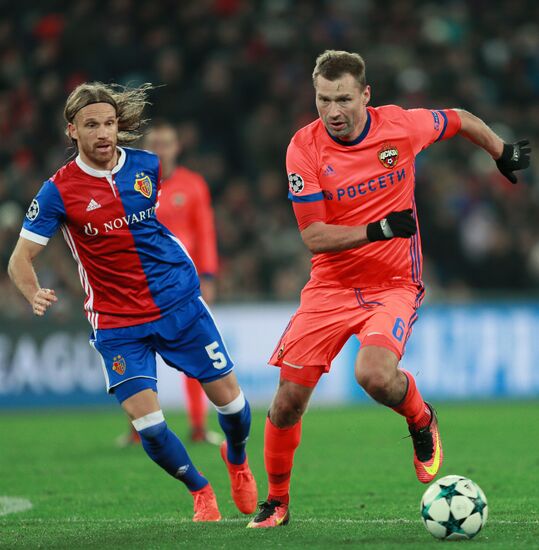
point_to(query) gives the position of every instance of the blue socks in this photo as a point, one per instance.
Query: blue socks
(235, 420)
(164, 448)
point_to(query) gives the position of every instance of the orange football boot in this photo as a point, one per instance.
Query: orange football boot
(271, 513)
(428, 452)
(205, 505)
(242, 484)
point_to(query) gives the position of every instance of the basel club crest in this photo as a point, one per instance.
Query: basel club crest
(295, 181)
(118, 364)
(388, 155)
(143, 184)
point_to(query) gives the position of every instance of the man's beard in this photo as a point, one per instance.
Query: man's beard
(100, 157)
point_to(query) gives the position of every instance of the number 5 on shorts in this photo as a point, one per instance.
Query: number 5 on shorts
(219, 360)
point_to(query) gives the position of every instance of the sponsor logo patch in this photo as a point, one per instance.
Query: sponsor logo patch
(120, 223)
(119, 365)
(388, 155)
(90, 230)
(295, 182)
(33, 210)
(143, 184)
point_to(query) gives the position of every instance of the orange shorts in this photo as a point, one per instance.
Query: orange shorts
(329, 314)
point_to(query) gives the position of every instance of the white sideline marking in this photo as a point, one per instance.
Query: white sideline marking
(245, 520)
(12, 505)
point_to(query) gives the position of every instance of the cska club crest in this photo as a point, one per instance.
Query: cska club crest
(388, 155)
(143, 184)
(118, 364)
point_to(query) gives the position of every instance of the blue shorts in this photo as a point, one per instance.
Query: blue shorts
(187, 339)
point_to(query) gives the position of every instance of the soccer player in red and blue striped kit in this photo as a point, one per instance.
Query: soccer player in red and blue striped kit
(142, 289)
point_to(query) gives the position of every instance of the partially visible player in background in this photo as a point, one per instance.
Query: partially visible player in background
(351, 177)
(184, 207)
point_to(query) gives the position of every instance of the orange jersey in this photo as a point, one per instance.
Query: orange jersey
(184, 207)
(361, 181)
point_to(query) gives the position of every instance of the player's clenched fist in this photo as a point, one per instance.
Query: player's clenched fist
(396, 224)
(43, 299)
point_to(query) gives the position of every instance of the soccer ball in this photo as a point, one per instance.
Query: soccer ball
(453, 508)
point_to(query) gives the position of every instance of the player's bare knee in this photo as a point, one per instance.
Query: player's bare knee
(379, 386)
(376, 370)
(285, 416)
(285, 412)
(377, 379)
(288, 405)
(361, 375)
(140, 404)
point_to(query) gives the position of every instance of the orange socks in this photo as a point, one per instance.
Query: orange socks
(196, 404)
(279, 447)
(413, 407)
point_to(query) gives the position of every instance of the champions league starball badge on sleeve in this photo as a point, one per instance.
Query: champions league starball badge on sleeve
(295, 181)
(33, 210)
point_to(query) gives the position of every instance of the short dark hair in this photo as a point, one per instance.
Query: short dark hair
(333, 64)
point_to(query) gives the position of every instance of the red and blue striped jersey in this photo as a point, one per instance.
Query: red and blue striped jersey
(132, 268)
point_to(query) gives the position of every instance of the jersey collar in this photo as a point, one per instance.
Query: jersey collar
(102, 173)
(359, 138)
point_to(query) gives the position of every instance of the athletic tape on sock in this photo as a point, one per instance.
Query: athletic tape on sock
(235, 406)
(148, 420)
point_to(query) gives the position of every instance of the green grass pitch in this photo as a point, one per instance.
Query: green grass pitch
(353, 483)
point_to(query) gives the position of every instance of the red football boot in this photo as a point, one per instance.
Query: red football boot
(242, 484)
(271, 513)
(428, 453)
(205, 505)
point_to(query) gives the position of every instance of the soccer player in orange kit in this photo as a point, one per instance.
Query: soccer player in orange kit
(351, 182)
(185, 208)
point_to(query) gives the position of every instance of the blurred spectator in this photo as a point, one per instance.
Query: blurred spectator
(235, 81)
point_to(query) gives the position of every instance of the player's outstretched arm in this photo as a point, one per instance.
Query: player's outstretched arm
(21, 272)
(322, 237)
(508, 156)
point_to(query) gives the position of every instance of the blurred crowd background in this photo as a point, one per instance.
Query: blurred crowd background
(236, 79)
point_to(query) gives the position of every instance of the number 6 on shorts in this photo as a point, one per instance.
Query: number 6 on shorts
(219, 360)
(398, 329)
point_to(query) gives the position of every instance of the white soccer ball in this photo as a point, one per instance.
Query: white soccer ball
(453, 508)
